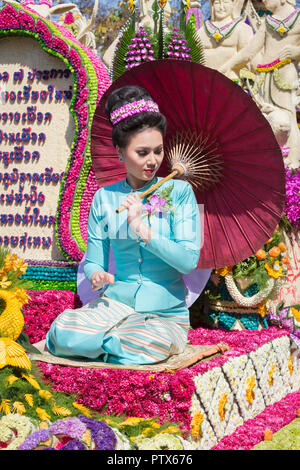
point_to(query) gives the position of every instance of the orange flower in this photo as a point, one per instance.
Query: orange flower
(261, 254)
(282, 246)
(274, 252)
(223, 271)
(286, 260)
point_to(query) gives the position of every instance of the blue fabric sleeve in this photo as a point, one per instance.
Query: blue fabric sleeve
(97, 252)
(182, 253)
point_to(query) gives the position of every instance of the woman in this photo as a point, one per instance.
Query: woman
(142, 317)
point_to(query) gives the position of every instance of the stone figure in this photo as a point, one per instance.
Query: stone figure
(224, 35)
(277, 81)
(146, 19)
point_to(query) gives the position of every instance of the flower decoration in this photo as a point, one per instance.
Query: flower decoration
(131, 5)
(274, 271)
(162, 442)
(177, 48)
(69, 18)
(217, 36)
(282, 30)
(288, 318)
(58, 40)
(155, 204)
(14, 428)
(139, 50)
(159, 201)
(292, 203)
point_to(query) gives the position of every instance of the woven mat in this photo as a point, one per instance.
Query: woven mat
(191, 355)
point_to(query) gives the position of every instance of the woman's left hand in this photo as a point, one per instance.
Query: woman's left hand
(134, 206)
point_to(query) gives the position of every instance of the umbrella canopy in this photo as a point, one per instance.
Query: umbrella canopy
(243, 192)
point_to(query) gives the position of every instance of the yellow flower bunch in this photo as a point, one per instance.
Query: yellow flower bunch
(222, 406)
(196, 425)
(250, 385)
(223, 271)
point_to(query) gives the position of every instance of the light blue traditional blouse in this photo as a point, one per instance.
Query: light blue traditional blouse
(149, 276)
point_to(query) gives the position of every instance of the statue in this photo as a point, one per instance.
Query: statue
(224, 35)
(146, 19)
(277, 80)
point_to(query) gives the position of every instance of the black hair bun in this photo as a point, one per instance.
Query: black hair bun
(124, 129)
(124, 95)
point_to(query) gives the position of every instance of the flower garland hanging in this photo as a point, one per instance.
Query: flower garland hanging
(90, 81)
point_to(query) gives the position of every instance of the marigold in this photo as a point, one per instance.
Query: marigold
(275, 271)
(295, 313)
(222, 406)
(250, 385)
(196, 424)
(223, 271)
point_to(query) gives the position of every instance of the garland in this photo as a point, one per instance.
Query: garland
(240, 299)
(219, 34)
(282, 26)
(90, 81)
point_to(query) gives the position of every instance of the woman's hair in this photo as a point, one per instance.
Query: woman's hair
(123, 131)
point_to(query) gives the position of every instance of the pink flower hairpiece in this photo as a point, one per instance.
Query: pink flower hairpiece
(130, 109)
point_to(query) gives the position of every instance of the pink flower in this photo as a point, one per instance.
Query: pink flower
(69, 18)
(155, 204)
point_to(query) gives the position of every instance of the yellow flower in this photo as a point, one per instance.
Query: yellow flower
(18, 407)
(196, 425)
(87, 438)
(250, 385)
(5, 406)
(217, 36)
(222, 406)
(275, 271)
(170, 430)
(28, 398)
(21, 296)
(42, 414)
(85, 411)
(131, 5)
(290, 365)
(262, 309)
(4, 282)
(45, 394)
(31, 380)
(295, 313)
(223, 271)
(270, 374)
(61, 411)
(11, 379)
(148, 432)
(281, 30)
(132, 421)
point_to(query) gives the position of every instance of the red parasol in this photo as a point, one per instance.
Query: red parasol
(245, 194)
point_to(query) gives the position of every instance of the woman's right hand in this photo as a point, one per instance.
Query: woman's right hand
(100, 278)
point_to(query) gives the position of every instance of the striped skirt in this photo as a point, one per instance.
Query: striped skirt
(109, 331)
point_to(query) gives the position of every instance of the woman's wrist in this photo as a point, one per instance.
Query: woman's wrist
(142, 230)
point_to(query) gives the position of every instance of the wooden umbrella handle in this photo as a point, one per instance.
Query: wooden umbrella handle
(175, 172)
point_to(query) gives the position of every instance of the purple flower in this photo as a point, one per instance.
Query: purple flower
(32, 441)
(102, 434)
(73, 445)
(155, 204)
(72, 427)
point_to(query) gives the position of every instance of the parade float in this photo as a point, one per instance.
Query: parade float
(246, 376)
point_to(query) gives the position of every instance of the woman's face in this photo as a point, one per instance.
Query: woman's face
(143, 156)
